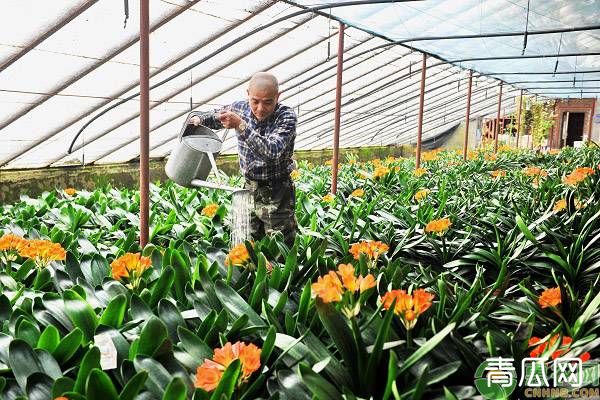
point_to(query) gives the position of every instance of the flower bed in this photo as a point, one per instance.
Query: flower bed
(398, 286)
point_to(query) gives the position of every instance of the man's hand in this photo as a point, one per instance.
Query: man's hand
(229, 119)
(195, 120)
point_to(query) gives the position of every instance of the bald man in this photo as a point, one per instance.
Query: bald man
(266, 131)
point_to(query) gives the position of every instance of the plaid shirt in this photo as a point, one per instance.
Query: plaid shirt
(266, 147)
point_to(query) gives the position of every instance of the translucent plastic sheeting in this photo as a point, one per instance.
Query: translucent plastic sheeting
(92, 62)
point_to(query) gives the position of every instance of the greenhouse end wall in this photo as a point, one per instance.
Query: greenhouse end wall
(14, 183)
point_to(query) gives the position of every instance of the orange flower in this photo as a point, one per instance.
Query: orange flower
(295, 174)
(578, 175)
(12, 243)
(366, 283)
(421, 194)
(130, 266)
(376, 162)
(541, 348)
(491, 157)
(498, 173)
(70, 191)
(357, 193)
(560, 205)
(328, 198)
(439, 226)
(371, 248)
(210, 372)
(554, 151)
(346, 272)
(42, 252)
(550, 298)
(429, 156)
(328, 288)
(352, 161)
(210, 210)
(380, 171)
(238, 256)
(420, 172)
(62, 398)
(535, 172)
(408, 307)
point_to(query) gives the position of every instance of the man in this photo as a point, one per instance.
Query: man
(266, 131)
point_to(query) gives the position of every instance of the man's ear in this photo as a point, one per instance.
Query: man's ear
(277, 97)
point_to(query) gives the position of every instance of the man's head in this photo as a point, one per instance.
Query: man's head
(263, 94)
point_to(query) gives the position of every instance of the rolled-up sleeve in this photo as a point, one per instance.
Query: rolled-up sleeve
(272, 145)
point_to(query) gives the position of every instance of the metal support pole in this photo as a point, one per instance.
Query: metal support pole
(592, 119)
(468, 116)
(421, 104)
(497, 130)
(519, 116)
(144, 119)
(338, 106)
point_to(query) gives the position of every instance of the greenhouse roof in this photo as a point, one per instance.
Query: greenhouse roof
(61, 63)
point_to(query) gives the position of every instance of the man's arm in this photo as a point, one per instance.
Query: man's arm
(207, 119)
(273, 145)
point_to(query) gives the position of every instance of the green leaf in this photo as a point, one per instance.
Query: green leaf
(28, 331)
(338, 329)
(162, 286)
(427, 347)
(176, 390)
(228, 381)
(373, 366)
(391, 375)
(62, 385)
(525, 230)
(152, 336)
(171, 317)
(68, 346)
(49, 339)
(236, 305)
(158, 376)
(590, 311)
(319, 386)
(39, 386)
(133, 386)
(114, 313)
(100, 387)
(90, 361)
(80, 313)
(23, 361)
(193, 345)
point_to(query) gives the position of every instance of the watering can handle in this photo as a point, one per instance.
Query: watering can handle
(186, 124)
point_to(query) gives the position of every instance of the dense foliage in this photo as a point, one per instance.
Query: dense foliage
(399, 286)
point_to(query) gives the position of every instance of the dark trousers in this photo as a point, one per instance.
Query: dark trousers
(274, 208)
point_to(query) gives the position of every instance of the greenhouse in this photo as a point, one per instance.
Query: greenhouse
(290, 199)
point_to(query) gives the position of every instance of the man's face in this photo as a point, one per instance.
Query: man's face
(262, 101)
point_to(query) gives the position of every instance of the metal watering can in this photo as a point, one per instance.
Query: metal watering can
(190, 163)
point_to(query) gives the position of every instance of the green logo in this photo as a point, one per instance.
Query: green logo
(496, 378)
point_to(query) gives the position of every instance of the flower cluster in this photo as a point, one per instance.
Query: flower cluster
(380, 171)
(331, 288)
(560, 205)
(70, 191)
(421, 194)
(408, 307)
(438, 226)
(328, 198)
(10, 246)
(42, 252)
(498, 173)
(295, 174)
(430, 155)
(208, 375)
(578, 175)
(420, 172)
(535, 172)
(130, 266)
(357, 193)
(550, 298)
(542, 347)
(372, 249)
(210, 210)
(238, 256)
